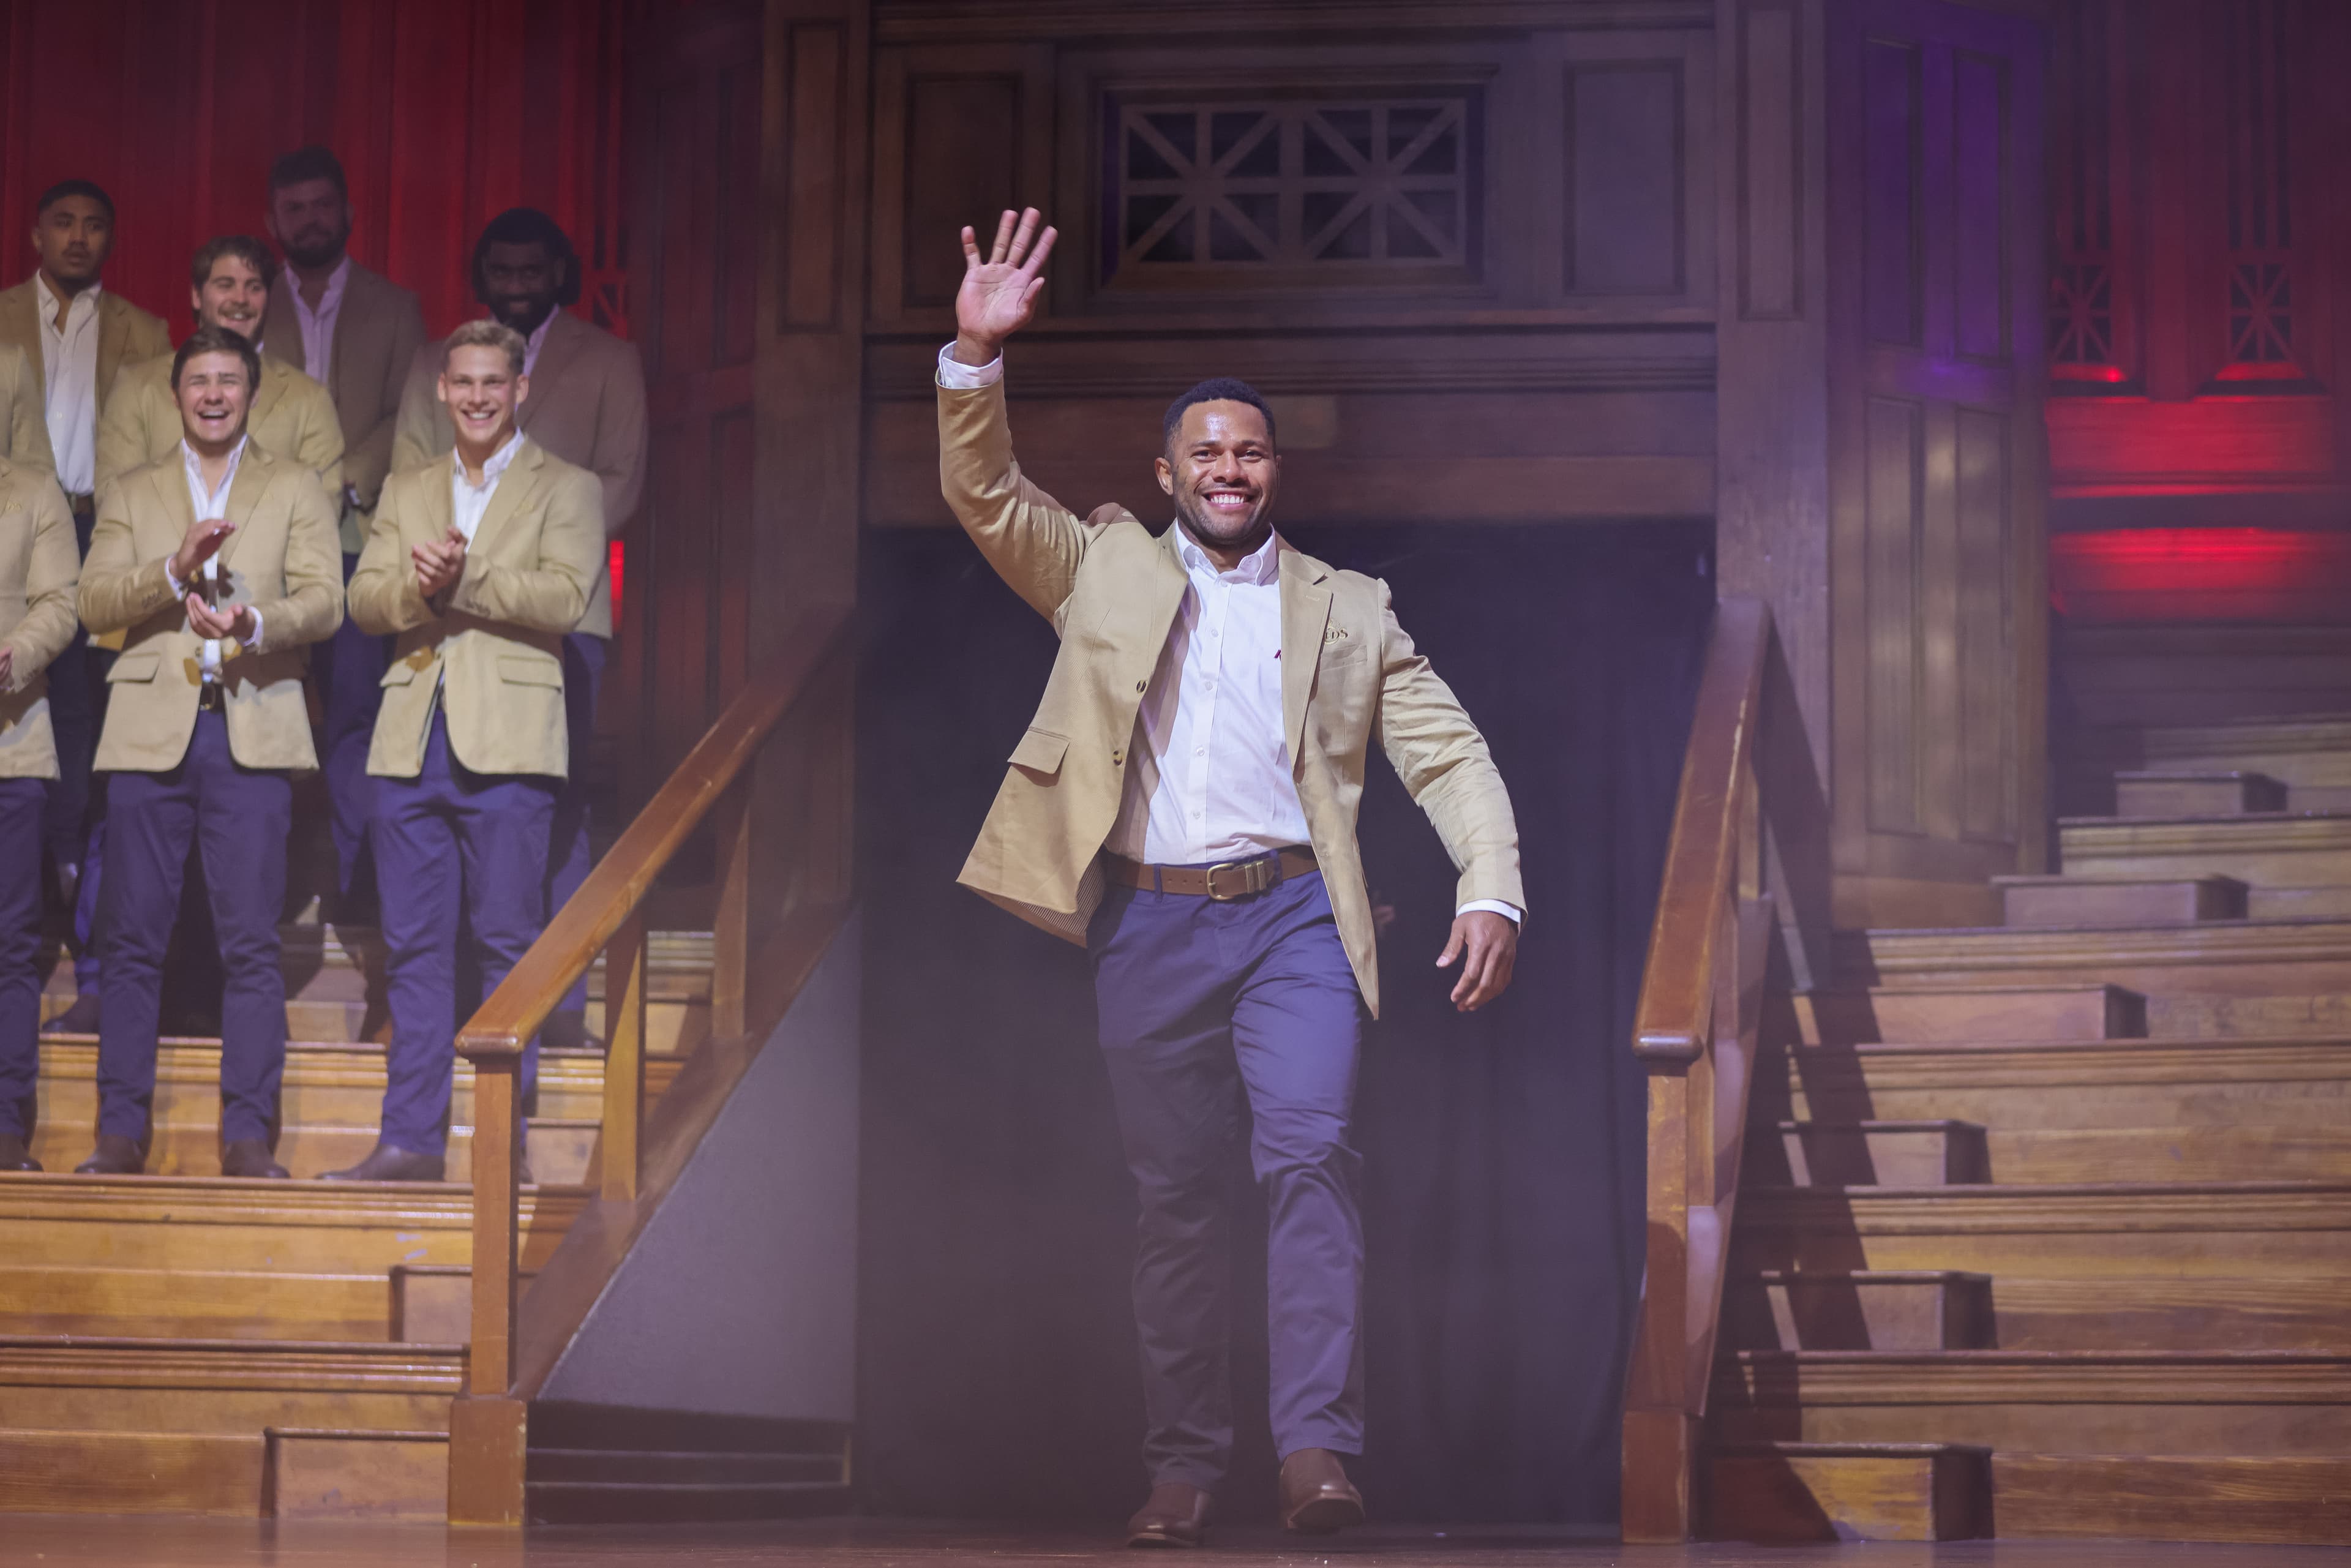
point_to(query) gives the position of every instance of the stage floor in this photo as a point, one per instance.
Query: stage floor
(85, 1541)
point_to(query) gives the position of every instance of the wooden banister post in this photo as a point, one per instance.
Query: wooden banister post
(487, 1426)
(624, 1058)
(730, 926)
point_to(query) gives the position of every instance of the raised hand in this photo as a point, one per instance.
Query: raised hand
(203, 540)
(999, 293)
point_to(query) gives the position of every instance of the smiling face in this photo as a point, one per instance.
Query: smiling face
(233, 296)
(71, 236)
(1221, 472)
(520, 283)
(214, 392)
(311, 221)
(482, 388)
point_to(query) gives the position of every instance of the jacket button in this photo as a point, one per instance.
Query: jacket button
(1118, 757)
(1140, 685)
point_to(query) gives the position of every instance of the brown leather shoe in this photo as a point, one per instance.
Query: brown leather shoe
(1316, 1497)
(115, 1156)
(14, 1156)
(1175, 1515)
(251, 1157)
(390, 1162)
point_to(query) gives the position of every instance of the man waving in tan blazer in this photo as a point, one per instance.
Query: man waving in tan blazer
(38, 565)
(1184, 803)
(480, 563)
(218, 563)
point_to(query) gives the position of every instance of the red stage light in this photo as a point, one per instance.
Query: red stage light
(614, 561)
(2274, 575)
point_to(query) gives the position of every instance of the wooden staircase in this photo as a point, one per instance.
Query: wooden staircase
(2046, 1229)
(179, 1342)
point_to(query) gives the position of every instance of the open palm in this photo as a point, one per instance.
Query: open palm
(999, 290)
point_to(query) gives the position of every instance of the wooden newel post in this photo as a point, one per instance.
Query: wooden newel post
(487, 1426)
(624, 1058)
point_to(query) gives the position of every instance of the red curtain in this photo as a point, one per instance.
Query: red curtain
(442, 111)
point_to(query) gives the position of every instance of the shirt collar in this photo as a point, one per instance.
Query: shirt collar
(328, 296)
(194, 465)
(498, 463)
(49, 296)
(1261, 566)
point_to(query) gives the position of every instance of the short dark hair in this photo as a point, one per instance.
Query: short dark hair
(1215, 389)
(245, 247)
(217, 340)
(64, 188)
(528, 226)
(305, 164)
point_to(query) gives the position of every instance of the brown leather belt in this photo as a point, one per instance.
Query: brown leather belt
(1222, 883)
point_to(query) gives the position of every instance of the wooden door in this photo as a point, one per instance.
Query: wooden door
(1936, 457)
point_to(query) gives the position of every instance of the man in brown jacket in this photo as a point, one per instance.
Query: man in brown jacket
(39, 566)
(219, 564)
(478, 564)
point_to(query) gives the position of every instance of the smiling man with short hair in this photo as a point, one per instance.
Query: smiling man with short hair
(1184, 804)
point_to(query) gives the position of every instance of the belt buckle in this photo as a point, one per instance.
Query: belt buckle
(1231, 866)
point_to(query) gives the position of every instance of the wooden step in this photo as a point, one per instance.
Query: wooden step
(2272, 850)
(2276, 1499)
(2163, 1314)
(1921, 1013)
(2253, 960)
(2295, 1090)
(329, 1106)
(353, 1473)
(107, 1387)
(2069, 901)
(2323, 903)
(2207, 1403)
(2123, 1231)
(2185, 794)
(61, 1471)
(1776, 1492)
(2297, 753)
(1867, 1153)
(1930, 1310)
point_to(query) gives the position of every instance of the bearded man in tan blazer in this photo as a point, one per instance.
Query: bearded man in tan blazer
(587, 407)
(218, 563)
(1184, 804)
(479, 563)
(39, 566)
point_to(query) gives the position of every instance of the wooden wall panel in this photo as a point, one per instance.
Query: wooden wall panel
(1627, 179)
(1892, 620)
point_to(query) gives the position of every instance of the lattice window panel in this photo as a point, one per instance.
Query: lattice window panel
(2082, 316)
(1310, 189)
(2259, 38)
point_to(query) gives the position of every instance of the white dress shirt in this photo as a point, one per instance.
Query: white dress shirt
(467, 500)
(318, 326)
(210, 504)
(69, 384)
(1213, 779)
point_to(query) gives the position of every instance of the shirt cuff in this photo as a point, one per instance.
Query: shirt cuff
(1510, 913)
(255, 641)
(179, 589)
(957, 376)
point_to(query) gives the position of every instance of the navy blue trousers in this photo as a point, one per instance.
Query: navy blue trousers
(23, 804)
(568, 858)
(1204, 1006)
(238, 819)
(349, 666)
(447, 841)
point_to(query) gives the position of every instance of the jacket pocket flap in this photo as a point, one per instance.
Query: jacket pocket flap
(531, 673)
(139, 666)
(1040, 751)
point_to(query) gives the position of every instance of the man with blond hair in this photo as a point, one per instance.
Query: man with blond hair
(478, 564)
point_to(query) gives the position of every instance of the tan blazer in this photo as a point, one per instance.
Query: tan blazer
(23, 418)
(38, 565)
(587, 407)
(1350, 676)
(491, 646)
(283, 560)
(377, 334)
(126, 335)
(291, 417)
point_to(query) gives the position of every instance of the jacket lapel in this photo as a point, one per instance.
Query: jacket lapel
(515, 487)
(179, 513)
(556, 352)
(20, 324)
(245, 493)
(440, 512)
(281, 331)
(1305, 610)
(275, 379)
(110, 343)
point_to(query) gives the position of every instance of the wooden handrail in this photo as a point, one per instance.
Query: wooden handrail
(1694, 1031)
(488, 1425)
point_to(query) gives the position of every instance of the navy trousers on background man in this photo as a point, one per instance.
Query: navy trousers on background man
(23, 802)
(1201, 1002)
(349, 666)
(451, 841)
(238, 818)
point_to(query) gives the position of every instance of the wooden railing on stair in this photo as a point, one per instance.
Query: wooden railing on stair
(773, 769)
(1701, 998)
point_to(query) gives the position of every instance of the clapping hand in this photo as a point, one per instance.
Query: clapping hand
(999, 295)
(439, 562)
(234, 625)
(201, 542)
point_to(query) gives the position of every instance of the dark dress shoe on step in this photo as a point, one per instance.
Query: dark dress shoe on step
(390, 1162)
(1316, 1496)
(251, 1157)
(81, 1018)
(14, 1156)
(1175, 1515)
(113, 1157)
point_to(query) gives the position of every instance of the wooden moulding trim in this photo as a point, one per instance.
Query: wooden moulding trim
(2105, 835)
(152, 1201)
(575, 1276)
(963, 21)
(1677, 983)
(350, 1435)
(585, 924)
(2116, 1210)
(68, 1363)
(2047, 1377)
(1939, 953)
